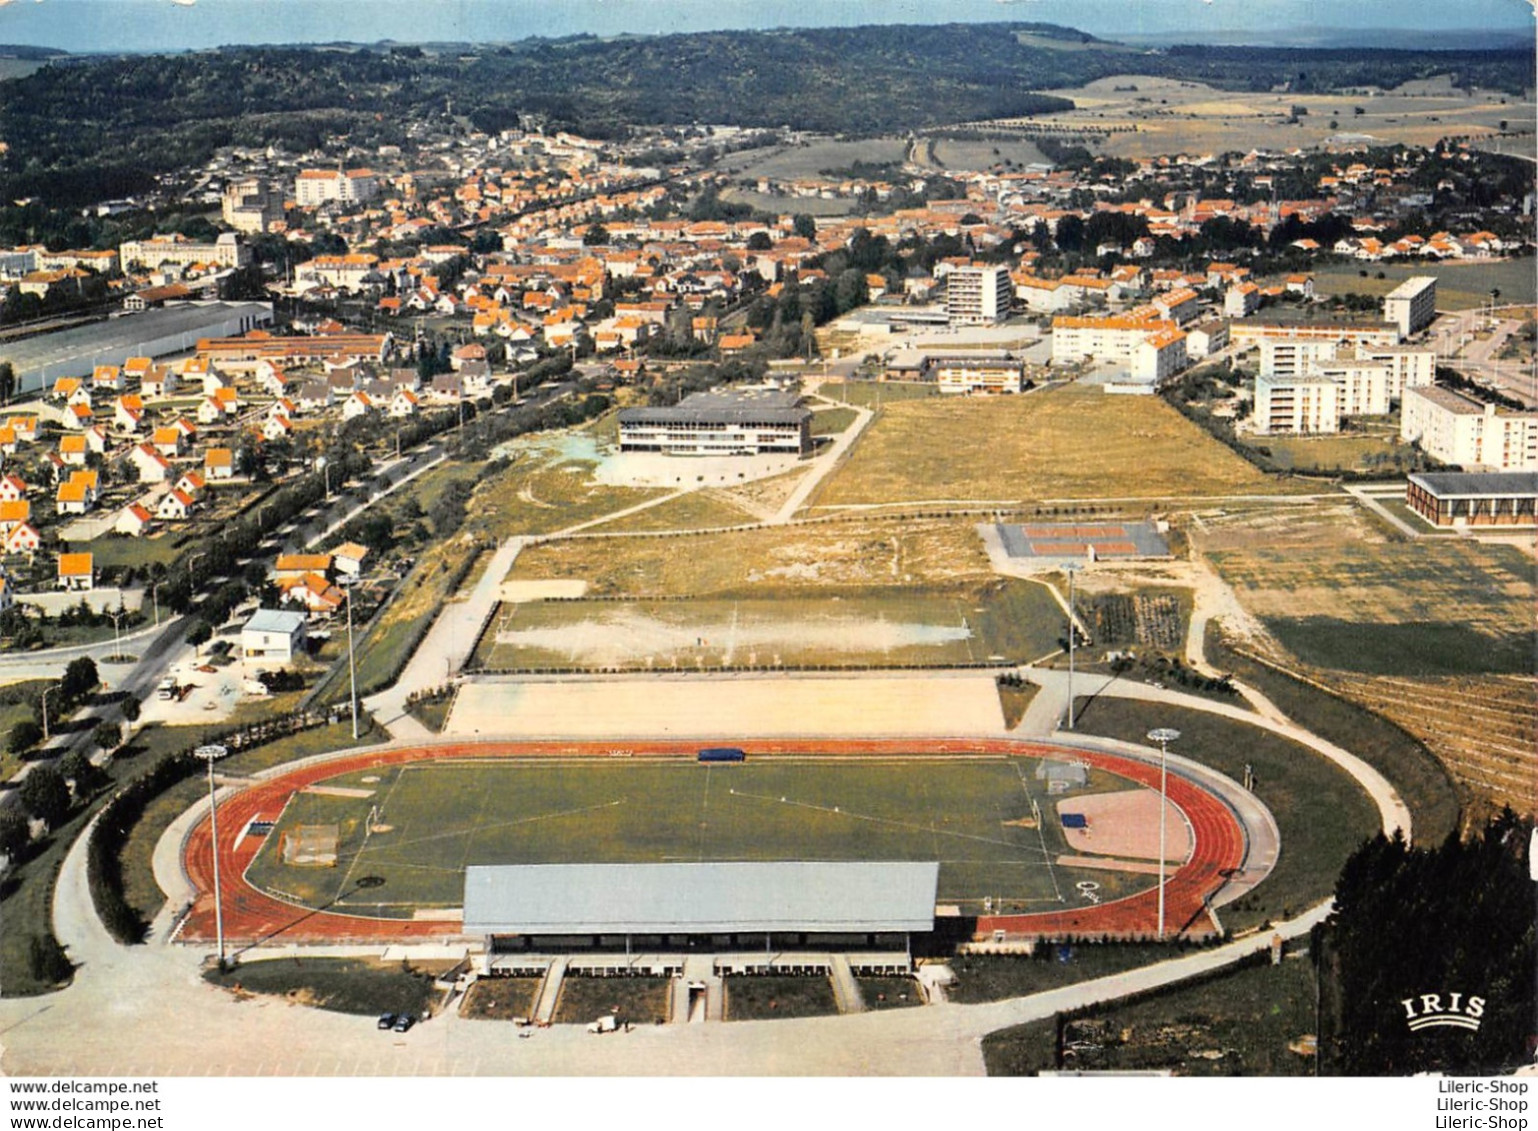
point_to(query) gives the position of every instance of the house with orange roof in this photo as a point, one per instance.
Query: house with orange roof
(76, 572)
(192, 482)
(12, 488)
(72, 390)
(14, 512)
(175, 506)
(168, 440)
(107, 378)
(78, 416)
(74, 497)
(22, 538)
(134, 520)
(315, 593)
(128, 412)
(149, 463)
(291, 567)
(219, 463)
(73, 449)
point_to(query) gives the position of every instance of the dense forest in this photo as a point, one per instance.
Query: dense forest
(1454, 918)
(82, 130)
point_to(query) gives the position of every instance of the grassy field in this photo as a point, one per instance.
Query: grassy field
(832, 421)
(1366, 451)
(1248, 1017)
(640, 1001)
(980, 155)
(1460, 286)
(342, 985)
(1005, 620)
(15, 706)
(769, 561)
(764, 997)
(808, 160)
(867, 394)
(1341, 594)
(439, 817)
(111, 552)
(1290, 779)
(696, 510)
(501, 999)
(1066, 443)
(539, 498)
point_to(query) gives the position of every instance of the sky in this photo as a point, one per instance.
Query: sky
(167, 25)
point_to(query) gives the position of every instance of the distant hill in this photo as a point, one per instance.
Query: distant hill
(22, 51)
(89, 129)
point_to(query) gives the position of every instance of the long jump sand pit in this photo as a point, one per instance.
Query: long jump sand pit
(1126, 824)
(764, 707)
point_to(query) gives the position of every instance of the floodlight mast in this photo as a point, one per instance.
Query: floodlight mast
(1163, 736)
(211, 754)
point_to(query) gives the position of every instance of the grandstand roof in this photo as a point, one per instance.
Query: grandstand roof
(1467, 485)
(703, 898)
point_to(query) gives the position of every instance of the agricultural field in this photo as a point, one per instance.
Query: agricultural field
(807, 161)
(1007, 620)
(1460, 286)
(949, 153)
(1067, 443)
(768, 561)
(1485, 731)
(430, 820)
(1152, 116)
(1339, 594)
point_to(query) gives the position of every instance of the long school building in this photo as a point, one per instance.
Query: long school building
(720, 424)
(1462, 499)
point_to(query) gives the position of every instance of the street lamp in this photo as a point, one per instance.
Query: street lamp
(212, 754)
(1163, 736)
(47, 691)
(1072, 570)
(155, 596)
(352, 666)
(117, 634)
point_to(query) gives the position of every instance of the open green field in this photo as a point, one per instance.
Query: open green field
(769, 560)
(1015, 620)
(1067, 443)
(867, 394)
(793, 162)
(1373, 449)
(435, 818)
(1460, 286)
(119, 551)
(694, 510)
(1339, 594)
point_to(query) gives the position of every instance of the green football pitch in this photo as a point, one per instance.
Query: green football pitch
(407, 833)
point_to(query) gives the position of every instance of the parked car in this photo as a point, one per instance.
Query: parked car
(403, 1022)
(387, 1020)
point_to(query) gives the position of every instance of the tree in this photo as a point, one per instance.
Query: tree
(77, 767)
(45, 795)
(760, 241)
(15, 834)
(47, 961)
(595, 236)
(80, 679)
(130, 709)
(23, 737)
(200, 634)
(804, 226)
(107, 735)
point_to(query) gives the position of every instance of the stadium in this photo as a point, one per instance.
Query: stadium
(890, 846)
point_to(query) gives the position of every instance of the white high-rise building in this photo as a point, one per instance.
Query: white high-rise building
(1412, 305)
(318, 186)
(977, 294)
(1460, 429)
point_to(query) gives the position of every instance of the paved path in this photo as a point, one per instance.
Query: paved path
(824, 466)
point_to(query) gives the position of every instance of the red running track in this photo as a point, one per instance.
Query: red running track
(252, 916)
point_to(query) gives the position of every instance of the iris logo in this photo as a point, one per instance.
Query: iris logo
(1427, 1011)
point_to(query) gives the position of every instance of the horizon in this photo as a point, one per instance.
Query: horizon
(156, 26)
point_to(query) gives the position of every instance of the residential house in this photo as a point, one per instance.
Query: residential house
(73, 449)
(349, 558)
(76, 572)
(175, 506)
(22, 538)
(149, 463)
(128, 412)
(133, 520)
(273, 635)
(12, 487)
(168, 441)
(358, 404)
(219, 463)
